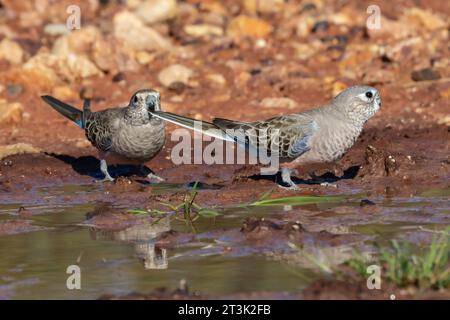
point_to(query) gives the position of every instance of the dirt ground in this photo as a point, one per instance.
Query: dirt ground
(238, 55)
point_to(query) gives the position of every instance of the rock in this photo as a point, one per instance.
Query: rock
(304, 26)
(425, 74)
(14, 90)
(152, 11)
(76, 42)
(390, 165)
(217, 79)
(177, 87)
(412, 22)
(30, 19)
(401, 50)
(304, 51)
(279, 103)
(41, 66)
(174, 73)
(64, 93)
(131, 30)
(56, 29)
(119, 77)
(263, 6)
(245, 26)
(10, 113)
(201, 30)
(391, 29)
(366, 202)
(73, 67)
(68, 58)
(320, 26)
(143, 57)
(104, 55)
(11, 51)
(423, 19)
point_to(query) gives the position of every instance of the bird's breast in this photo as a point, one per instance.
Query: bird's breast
(330, 142)
(139, 142)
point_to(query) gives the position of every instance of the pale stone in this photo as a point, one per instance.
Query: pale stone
(143, 57)
(281, 102)
(56, 29)
(64, 93)
(18, 148)
(130, 29)
(174, 73)
(246, 26)
(11, 51)
(152, 11)
(10, 112)
(216, 78)
(200, 30)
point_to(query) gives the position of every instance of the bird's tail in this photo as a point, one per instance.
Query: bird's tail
(66, 110)
(204, 127)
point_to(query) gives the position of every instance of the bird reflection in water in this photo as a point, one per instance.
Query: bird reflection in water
(143, 236)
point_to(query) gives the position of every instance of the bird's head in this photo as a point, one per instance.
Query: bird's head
(359, 103)
(147, 99)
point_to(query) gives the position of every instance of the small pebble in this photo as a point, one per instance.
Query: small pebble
(14, 90)
(120, 76)
(320, 26)
(366, 202)
(425, 74)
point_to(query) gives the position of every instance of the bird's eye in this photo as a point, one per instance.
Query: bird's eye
(369, 94)
(135, 99)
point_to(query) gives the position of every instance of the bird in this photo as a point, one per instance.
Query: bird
(320, 135)
(128, 133)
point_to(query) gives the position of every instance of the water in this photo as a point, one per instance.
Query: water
(33, 265)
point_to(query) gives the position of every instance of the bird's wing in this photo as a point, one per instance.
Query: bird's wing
(100, 127)
(289, 135)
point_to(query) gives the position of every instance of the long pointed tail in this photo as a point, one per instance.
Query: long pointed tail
(66, 110)
(196, 125)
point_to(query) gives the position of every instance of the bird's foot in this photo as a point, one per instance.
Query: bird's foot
(107, 178)
(153, 178)
(292, 186)
(287, 180)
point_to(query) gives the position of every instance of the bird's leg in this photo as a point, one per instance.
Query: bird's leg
(104, 169)
(153, 178)
(286, 178)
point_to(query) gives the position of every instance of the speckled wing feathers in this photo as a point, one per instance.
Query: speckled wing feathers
(288, 135)
(99, 130)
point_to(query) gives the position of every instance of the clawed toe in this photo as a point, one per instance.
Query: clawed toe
(289, 187)
(154, 178)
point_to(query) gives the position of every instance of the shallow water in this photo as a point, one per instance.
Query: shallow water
(33, 265)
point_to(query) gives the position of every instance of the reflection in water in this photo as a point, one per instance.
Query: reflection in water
(313, 257)
(154, 258)
(143, 236)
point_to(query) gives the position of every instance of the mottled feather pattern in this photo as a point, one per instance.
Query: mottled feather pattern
(114, 131)
(99, 129)
(288, 135)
